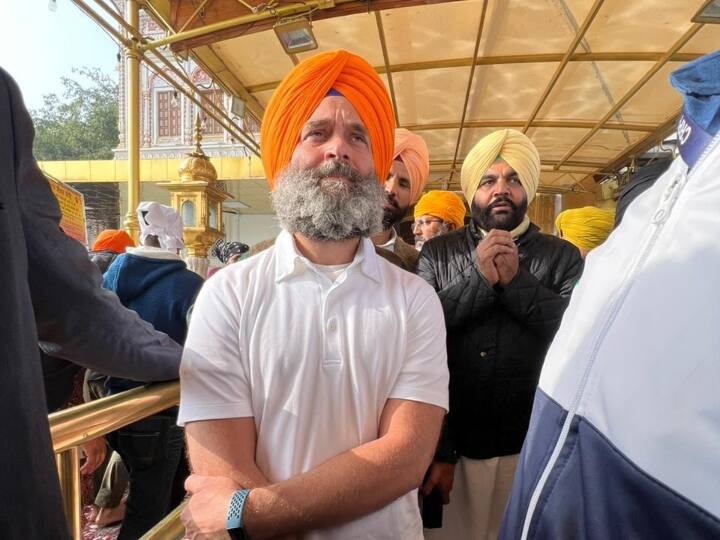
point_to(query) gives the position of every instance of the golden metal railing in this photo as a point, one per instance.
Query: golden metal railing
(170, 528)
(75, 426)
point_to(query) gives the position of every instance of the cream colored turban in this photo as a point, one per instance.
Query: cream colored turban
(512, 147)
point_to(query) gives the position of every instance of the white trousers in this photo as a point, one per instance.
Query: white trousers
(477, 501)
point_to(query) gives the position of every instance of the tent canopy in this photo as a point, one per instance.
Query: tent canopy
(587, 81)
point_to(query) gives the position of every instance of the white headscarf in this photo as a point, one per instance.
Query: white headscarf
(162, 221)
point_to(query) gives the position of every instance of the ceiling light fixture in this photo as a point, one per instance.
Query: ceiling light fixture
(708, 13)
(295, 35)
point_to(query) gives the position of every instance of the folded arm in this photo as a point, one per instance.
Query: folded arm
(346, 487)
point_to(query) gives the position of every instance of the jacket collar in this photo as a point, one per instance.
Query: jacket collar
(153, 253)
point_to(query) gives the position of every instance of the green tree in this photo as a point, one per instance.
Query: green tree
(82, 122)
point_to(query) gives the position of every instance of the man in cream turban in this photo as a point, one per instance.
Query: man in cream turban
(437, 212)
(408, 174)
(504, 287)
(300, 420)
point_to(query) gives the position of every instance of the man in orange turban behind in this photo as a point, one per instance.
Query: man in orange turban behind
(437, 212)
(408, 174)
(108, 245)
(299, 420)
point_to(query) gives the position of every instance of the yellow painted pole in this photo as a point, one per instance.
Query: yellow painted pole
(132, 66)
(68, 468)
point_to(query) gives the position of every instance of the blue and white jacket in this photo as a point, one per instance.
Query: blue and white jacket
(624, 438)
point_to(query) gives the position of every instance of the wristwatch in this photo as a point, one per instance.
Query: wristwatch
(233, 522)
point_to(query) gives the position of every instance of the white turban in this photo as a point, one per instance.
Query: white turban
(162, 221)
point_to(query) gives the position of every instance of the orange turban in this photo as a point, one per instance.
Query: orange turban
(444, 205)
(302, 90)
(112, 240)
(413, 152)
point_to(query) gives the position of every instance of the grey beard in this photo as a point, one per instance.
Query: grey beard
(442, 229)
(307, 202)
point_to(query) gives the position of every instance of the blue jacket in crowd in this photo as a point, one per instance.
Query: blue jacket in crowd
(159, 288)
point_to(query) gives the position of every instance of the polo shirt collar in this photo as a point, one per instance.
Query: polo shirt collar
(290, 262)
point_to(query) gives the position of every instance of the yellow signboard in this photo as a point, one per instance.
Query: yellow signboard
(72, 206)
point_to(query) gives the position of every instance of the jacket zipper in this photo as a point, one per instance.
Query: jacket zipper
(660, 216)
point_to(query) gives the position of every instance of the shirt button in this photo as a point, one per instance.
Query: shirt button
(332, 326)
(483, 354)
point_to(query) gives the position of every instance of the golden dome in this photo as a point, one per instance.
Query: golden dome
(197, 166)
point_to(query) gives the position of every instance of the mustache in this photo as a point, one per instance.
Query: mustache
(336, 168)
(500, 200)
(392, 201)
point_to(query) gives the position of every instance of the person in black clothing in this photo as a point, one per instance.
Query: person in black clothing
(504, 287)
(50, 294)
(642, 180)
(153, 280)
(107, 246)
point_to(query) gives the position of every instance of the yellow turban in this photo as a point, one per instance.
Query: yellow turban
(512, 147)
(302, 90)
(442, 204)
(586, 228)
(413, 152)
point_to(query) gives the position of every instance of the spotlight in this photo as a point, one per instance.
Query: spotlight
(295, 35)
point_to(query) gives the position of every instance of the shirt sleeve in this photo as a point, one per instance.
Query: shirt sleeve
(76, 319)
(213, 379)
(424, 374)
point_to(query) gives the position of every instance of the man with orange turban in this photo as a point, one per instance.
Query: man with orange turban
(108, 245)
(299, 420)
(437, 212)
(408, 174)
(504, 287)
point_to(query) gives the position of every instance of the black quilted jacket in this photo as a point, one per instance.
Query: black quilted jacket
(496, 339)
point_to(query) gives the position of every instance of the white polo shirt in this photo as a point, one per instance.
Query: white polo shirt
(314, 361)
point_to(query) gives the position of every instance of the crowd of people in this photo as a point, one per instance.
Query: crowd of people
(340, 381)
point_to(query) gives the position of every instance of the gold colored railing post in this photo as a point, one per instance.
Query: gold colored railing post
(132, 65)
(72, 427)
(68, 467)
(170, 528)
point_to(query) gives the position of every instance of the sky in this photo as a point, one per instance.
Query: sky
(38, 46)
